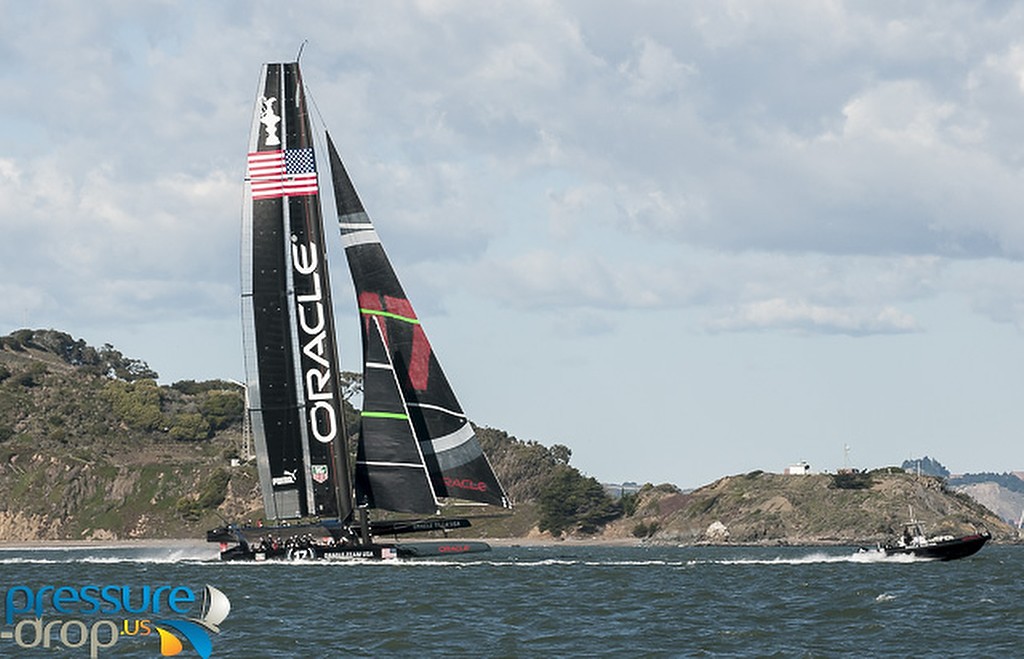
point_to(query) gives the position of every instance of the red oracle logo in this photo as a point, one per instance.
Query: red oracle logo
(465, 484)
(453, 549)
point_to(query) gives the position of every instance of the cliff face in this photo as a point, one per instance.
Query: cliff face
(85, 454)
(1006, 503)
(813, 509)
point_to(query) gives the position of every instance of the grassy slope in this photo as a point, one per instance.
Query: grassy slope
(772, 509)
(75, 463)
(72, 467)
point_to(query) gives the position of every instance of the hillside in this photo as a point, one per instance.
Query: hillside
(760, 508)
(92, 448)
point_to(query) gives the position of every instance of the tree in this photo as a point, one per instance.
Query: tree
(853, 480)
(137, 404)
(222, 408)
(351, 385)
(106, 361)
(189, 427)
(572, 500)
(561, 454)
(926, 466)
(523, 467)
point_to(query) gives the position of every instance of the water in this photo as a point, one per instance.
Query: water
(570, 601)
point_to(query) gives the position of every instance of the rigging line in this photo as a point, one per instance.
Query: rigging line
(301, 46)
(319, 119)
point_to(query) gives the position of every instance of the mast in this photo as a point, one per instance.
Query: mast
(293, 378)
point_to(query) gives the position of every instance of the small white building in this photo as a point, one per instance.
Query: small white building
(799, 469)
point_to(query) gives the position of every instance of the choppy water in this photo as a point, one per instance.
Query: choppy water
(570, 601)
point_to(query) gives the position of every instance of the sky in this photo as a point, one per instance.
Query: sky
(684, 239)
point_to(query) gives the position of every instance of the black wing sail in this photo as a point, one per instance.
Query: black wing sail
(444, 437)
(391, 473)
(289, 342)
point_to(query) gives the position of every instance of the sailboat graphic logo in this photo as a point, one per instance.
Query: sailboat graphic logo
(216, 608)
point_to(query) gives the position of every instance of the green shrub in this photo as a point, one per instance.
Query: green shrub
(629, 502)
(642, 530)
(210, 496)
(222, 408)
(137, 404)
(854, 480)
(215, 489)
(188, 510)
(31, 377)
(189, 427)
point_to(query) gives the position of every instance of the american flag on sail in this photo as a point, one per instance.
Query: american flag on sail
(274, 174)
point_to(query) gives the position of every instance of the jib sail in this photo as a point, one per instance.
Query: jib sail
(416, 445)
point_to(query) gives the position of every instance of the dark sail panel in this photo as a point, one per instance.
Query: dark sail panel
(390, 471)
(291, 359)
(443, 435)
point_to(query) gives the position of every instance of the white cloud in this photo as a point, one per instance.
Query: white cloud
(655, 73)
(787, 167)
(901, 113)
(779, 313)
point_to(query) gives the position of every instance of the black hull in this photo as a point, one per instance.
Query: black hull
(329, 540)
(943, 550)
(372, 552)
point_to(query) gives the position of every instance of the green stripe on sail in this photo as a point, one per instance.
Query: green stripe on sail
(388, 314)
(385, 415)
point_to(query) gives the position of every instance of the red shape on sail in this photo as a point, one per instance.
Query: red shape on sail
(419, 360)
(371, 301)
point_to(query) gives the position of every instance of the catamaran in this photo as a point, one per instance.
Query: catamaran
(416, 448)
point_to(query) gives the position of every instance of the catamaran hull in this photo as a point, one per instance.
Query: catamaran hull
(943, 550)
(374, 552)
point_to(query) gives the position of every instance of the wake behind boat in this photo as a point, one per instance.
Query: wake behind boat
(416, 448)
